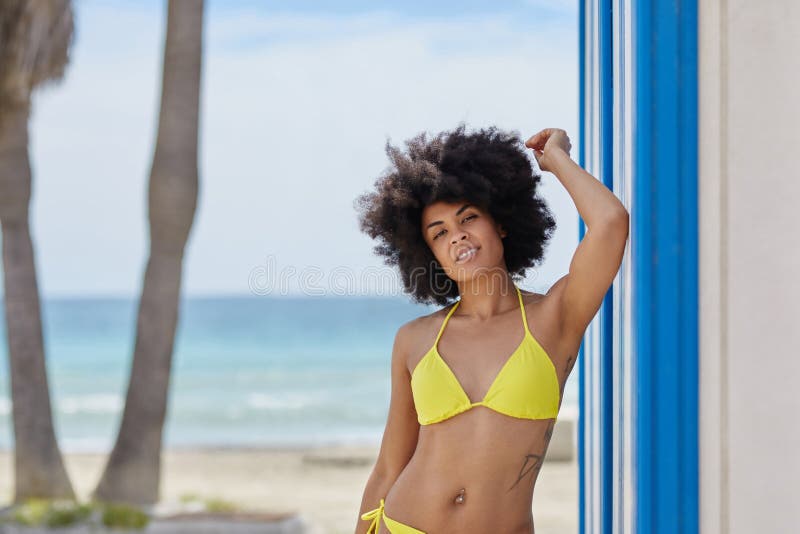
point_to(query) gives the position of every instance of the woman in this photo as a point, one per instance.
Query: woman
(472, 407)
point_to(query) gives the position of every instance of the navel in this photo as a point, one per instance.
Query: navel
(460, 496)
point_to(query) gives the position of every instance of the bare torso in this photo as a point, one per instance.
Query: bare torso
(476, 472)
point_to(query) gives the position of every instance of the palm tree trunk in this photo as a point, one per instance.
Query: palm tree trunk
(39, 467)
(133, 470)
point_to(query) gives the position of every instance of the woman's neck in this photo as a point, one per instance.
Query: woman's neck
(483, 297)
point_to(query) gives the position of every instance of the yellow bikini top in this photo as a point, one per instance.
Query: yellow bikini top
(526, 386)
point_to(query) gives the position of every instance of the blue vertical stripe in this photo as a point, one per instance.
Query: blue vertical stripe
(665, 266)
(581, 231)
(606, 446)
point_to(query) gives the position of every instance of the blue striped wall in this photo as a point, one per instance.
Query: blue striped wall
(665, 266)
(657, 302)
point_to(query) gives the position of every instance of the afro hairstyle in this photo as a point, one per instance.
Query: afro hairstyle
(488, 168)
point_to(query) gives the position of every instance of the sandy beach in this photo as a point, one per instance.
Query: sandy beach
(323, 484)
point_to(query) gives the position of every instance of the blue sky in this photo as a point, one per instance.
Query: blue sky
(298, 100)
(563, 11)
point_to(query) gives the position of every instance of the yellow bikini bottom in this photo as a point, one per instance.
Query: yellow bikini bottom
(395, 527)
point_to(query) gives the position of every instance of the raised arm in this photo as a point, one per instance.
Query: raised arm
(599, 254)
(400, 435)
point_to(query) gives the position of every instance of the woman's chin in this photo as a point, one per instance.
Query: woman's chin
(473, 271)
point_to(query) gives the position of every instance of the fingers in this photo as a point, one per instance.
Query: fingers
(538, 140)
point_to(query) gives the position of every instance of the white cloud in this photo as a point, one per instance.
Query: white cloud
(555, 6)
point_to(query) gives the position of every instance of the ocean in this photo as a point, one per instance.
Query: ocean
(247, 371)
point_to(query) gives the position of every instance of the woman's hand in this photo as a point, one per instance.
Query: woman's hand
(545, 143)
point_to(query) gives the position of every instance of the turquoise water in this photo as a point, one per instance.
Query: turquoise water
(247, 371)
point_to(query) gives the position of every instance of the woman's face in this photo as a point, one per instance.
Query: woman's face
(463, 238)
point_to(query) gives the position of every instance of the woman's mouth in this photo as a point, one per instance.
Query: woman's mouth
(466, 255)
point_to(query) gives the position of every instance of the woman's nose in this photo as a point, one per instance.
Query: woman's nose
(459, 236)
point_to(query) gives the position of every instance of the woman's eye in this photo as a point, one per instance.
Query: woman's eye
(462, 220)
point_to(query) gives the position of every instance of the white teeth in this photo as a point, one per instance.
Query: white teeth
(467, 253)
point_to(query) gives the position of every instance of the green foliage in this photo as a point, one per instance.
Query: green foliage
(32, 512)
(51, 513)
(220, 506)
(124, 516)
(189, 497)
(213, 504)
(59, 513)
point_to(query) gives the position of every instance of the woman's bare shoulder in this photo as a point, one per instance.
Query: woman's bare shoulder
(541, 312)
(420, 325)
(418, 334)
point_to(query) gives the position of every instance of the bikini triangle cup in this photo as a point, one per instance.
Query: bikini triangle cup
(526, 386)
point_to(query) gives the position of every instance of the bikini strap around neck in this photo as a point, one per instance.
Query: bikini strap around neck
(441, 329)
(522, 309)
